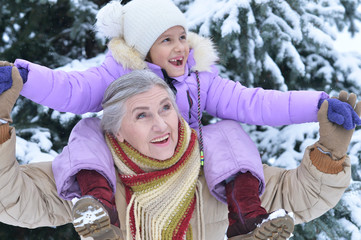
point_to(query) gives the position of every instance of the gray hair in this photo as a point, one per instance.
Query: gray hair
(125, 87)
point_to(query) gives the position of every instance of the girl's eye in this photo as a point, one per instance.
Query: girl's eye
(166, 40)
(183, 37)
(141, 115)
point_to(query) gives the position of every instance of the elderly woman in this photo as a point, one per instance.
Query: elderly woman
(159, 186)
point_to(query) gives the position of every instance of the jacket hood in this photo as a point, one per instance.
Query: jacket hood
(204, 53)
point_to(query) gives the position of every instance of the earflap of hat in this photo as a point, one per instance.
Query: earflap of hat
(125, 55)
(110, 20)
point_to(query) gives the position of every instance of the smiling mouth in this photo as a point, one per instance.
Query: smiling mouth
(160, 140)
(176, 62)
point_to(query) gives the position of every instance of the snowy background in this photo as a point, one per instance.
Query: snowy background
(283, 146)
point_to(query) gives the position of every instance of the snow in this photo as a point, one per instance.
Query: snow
(30, 152)
(92, 215)
(6, 37)
(346, 43)
(278, 213)
(353, 201)
(270, 65)
(83, 64)
(197, 14)
(355, 232)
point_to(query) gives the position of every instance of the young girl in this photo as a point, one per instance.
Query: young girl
(153, 34)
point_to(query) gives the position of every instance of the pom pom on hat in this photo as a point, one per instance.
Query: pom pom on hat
(139, 22)
(110, 20)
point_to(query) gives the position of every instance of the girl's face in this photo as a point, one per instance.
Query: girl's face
(170, 51)
(150, 124)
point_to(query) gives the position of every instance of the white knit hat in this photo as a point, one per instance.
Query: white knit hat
(139, 22)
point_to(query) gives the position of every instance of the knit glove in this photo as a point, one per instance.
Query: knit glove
(5, 75)
(334, 137)
(8, 98)
(340, 112)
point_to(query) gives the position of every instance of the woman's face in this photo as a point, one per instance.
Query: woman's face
(170, 51)
(150, 124)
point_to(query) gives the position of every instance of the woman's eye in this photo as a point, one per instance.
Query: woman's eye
(141, 115)
(166, 107)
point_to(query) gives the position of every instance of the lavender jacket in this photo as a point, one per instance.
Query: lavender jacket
(81, 92)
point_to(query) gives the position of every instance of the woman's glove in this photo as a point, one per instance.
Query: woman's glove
(5, 75)
(334, 138)
(8, 98)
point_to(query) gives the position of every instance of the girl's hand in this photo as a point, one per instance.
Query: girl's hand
(341, 110)
(5, 76)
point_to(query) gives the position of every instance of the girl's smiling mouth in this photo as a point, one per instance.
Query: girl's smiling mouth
(177, 61)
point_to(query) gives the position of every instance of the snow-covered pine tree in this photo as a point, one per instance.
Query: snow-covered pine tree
(277, 44)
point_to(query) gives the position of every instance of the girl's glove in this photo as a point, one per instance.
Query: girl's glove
(5, 75)
(8, 97)
(334, 137)
(342, 113)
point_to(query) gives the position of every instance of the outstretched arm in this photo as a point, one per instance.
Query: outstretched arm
(318, 183)
(28, 195)
(76, 91)
(227, 99)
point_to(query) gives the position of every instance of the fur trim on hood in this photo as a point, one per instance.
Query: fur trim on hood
(205, 54)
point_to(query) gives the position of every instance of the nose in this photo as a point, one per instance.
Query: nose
(179, 46)
(159, 124)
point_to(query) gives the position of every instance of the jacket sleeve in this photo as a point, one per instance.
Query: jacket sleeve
(76, 91)
(227, 99)
(28, 196)
(305, 191)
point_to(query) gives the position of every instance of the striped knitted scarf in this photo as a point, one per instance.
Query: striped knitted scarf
(161, 195)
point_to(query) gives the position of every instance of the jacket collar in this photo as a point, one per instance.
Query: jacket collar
(201, 57)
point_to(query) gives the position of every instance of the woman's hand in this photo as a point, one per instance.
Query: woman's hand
(335, 138)
(8, 97)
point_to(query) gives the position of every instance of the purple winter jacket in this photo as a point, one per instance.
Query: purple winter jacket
(81, 92)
